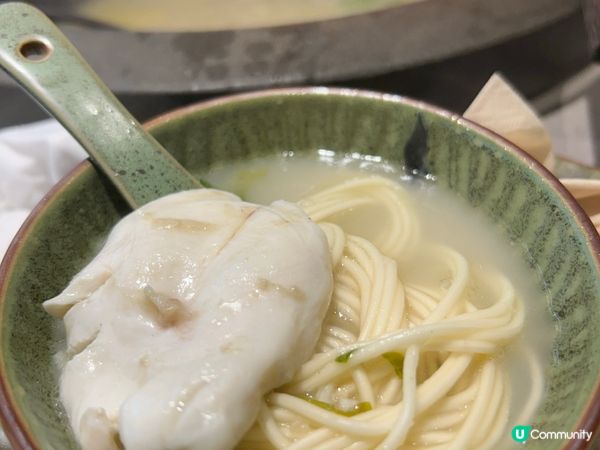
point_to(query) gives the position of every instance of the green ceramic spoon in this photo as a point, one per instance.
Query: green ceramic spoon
(43, 61)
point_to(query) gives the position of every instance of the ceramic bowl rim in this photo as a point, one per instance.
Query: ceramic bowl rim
(13, 423)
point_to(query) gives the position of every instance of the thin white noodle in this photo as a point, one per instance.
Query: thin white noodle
(450, 392)
(405, 419)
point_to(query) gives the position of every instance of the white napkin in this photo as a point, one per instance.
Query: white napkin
(499, 107)
(33, 158)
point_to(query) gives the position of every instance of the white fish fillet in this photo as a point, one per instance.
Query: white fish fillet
(197, 306)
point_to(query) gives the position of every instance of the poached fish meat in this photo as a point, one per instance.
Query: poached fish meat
(197, 305)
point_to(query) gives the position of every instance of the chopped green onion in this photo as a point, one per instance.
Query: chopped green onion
(344, 357)
(396, 360)
(357, 409)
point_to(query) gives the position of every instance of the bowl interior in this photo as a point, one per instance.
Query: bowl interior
(67, 229)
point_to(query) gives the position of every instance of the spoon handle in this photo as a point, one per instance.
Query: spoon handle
(45, 63)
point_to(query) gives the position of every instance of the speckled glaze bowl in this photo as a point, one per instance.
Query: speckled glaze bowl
(520, 196)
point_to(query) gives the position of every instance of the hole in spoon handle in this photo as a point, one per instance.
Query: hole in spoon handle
(35, 49)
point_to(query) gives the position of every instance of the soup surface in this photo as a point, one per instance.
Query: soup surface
(207, 15)
(443, 219)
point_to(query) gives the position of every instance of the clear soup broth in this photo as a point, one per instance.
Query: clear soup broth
(443, 218)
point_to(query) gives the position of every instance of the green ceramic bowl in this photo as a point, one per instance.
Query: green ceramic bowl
(515, 192)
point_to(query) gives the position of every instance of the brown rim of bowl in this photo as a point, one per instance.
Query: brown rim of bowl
(14, 425)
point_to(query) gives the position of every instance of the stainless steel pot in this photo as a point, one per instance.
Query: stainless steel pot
(315, 52)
